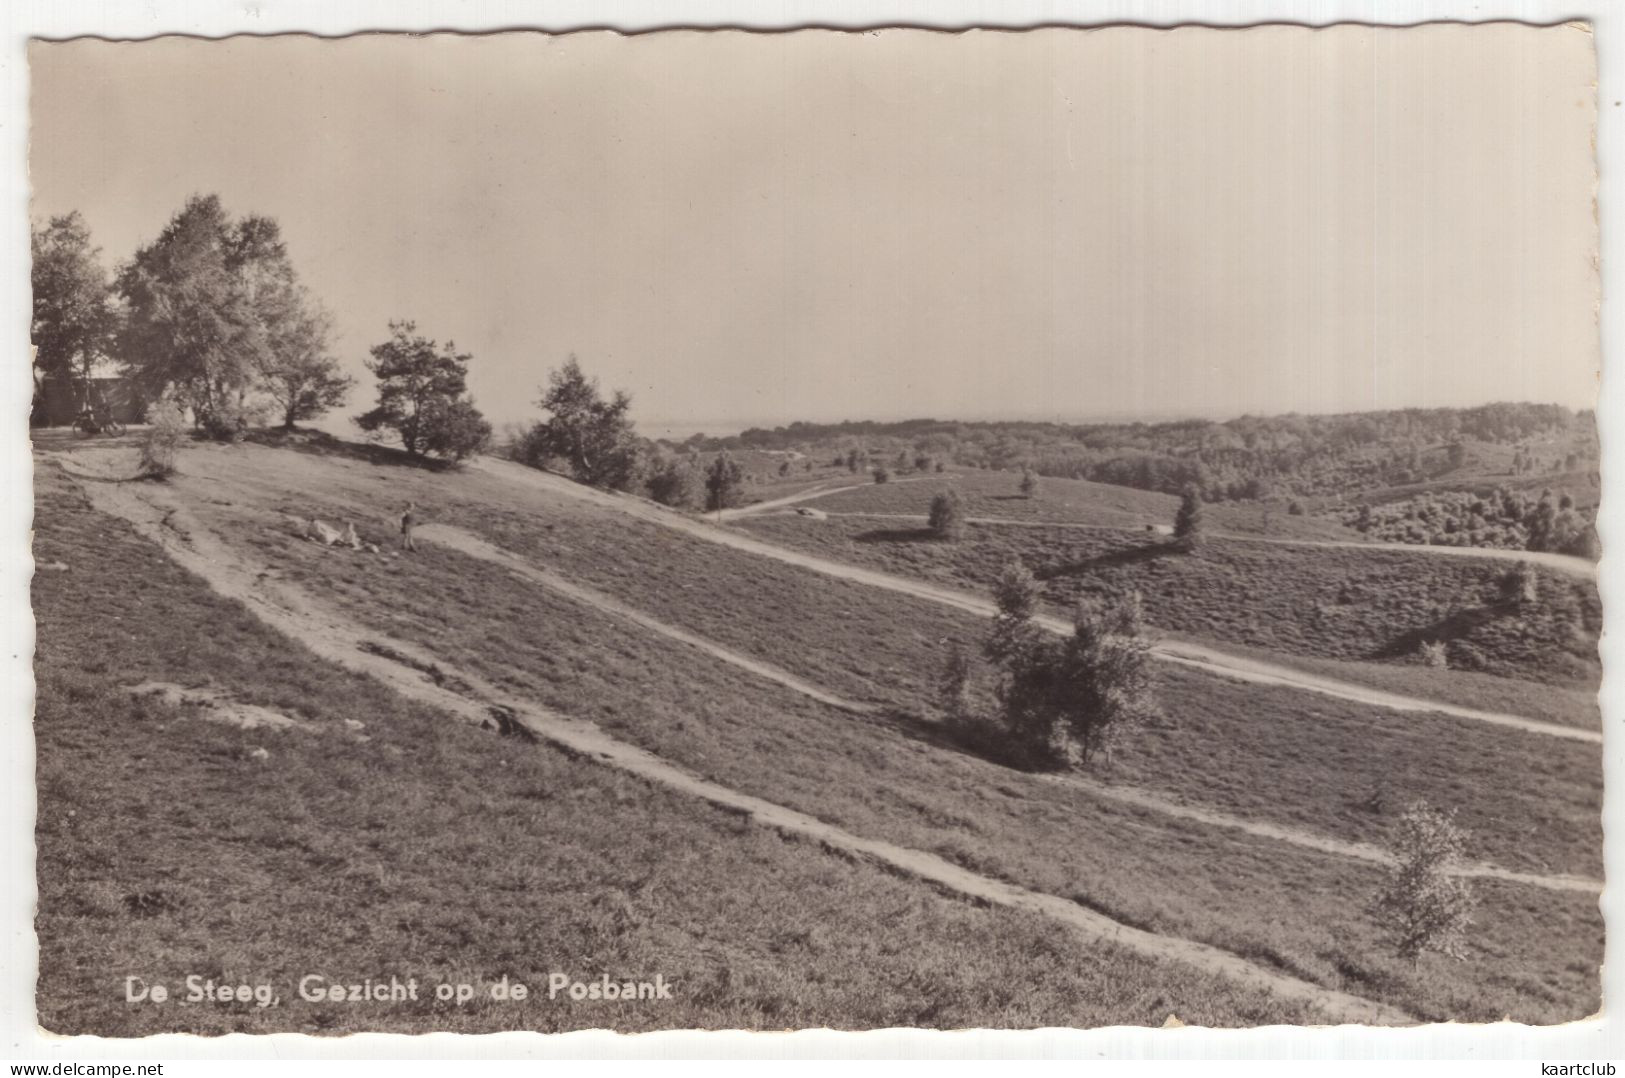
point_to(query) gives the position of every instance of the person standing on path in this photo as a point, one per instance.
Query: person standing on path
(408, 519)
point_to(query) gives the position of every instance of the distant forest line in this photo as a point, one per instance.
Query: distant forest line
(1248, 458)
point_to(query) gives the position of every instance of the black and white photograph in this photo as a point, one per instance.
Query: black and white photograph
(1068, 527)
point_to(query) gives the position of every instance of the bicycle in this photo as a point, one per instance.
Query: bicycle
(88, 423)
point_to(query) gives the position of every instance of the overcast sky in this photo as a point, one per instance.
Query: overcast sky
(748, 229)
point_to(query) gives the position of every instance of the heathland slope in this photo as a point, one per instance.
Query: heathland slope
(886, 774)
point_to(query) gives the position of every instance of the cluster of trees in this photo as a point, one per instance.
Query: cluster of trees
(1061, 701)
(211, 314)
(882, 463)
(591, 437)
(211, 317)
(75, 315)
(1512, 520)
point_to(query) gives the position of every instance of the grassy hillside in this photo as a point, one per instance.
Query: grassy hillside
(891, 775)
(1326, 603)
(862, 643)
(419, 846)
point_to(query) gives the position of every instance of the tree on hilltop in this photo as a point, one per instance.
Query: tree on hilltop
(592, 435)
(216, 316)
(194, 324)
(422, 395)
(296, 369)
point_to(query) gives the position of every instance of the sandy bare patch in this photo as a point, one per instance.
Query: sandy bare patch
(216, 705)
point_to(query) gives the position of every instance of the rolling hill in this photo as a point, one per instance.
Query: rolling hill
(576, 731)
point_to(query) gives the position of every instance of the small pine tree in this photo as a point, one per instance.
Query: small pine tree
(1188, 521)
(1519, 584)
(671, 482)
(953, 693)
(1029, 482)
(882, 474)
(1064, 702)
(948, 515)
(1015, 593)
(1422, 907)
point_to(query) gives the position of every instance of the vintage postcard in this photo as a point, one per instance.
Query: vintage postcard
(723, 530)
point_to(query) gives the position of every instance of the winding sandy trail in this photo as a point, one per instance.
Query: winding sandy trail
(158, 514)
(1567, 564)
(1198, 656)
(474, 546)
(834, 486)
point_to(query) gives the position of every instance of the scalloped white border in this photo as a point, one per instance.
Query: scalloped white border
(20, 1039)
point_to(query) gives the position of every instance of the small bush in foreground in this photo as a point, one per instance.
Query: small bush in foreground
(1422, 907)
